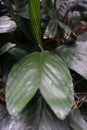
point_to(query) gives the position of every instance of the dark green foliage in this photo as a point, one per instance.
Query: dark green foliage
(38, 47)
(46, 72)
(75, 55)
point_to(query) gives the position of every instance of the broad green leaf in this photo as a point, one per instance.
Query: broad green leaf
(6, 47)
(37, 116)
(45, 71)
(56, 86)
(7, 24)
(19, 86)
(76, 121)
(34, 13)
(75, 55)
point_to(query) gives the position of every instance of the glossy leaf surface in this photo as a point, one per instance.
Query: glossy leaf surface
(75, 55)
(37, 116)
(76, 121)
(6, 47)
(7, 25)
(52, 27)
(45, 71)
(4, 117)
(17, 52)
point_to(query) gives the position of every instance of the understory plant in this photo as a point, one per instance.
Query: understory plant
(42, 60)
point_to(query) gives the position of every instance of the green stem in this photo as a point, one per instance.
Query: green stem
(41, 48)
(34, 14)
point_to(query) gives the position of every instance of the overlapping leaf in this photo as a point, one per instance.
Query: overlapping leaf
(76, 121)
(17, 52)
(6, 47)
(37, 116)
(75, 55)
(44, 71)
(52, 28)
